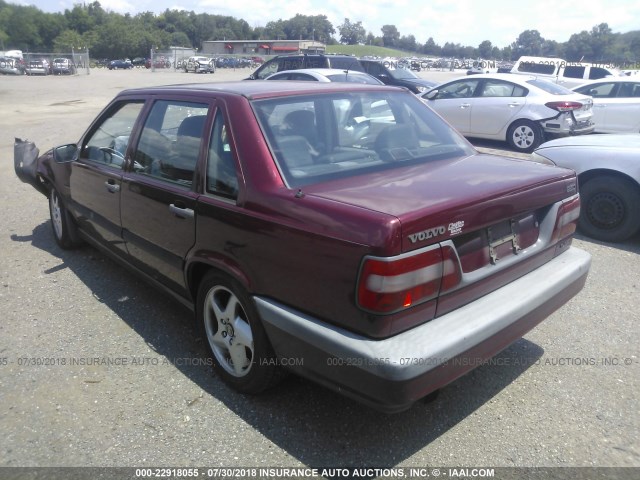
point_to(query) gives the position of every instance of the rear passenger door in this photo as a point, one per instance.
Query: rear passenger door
(619, 108)
(496, 105)
(159, 191)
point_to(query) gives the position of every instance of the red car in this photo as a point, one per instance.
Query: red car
(344, 232)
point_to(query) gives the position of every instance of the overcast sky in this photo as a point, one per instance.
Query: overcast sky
(467, 22)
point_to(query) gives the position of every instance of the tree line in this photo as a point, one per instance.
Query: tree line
(112, 35)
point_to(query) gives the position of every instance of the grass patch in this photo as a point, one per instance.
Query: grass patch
(363, 50)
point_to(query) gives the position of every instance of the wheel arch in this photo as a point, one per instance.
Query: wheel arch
(587, 175)
(201, 265)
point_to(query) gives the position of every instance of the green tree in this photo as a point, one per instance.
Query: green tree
(579, 47)
(408, 43)
(601, 39)
(431, 48)
(485, 49)
(78, 18)
(67, 40)
(390, 36)
(22, 28)
(529, 42)
(351, 33)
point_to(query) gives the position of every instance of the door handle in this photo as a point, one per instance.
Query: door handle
(180, 211)
(465, 105)
(514, 104)
(112, 186)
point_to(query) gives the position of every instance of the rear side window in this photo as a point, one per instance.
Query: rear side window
(597, 73)
(222, 178)
(312, 62)
(572, 71)
(289, 63)
(345, 63)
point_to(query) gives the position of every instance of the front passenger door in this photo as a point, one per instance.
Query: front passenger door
(454, 103)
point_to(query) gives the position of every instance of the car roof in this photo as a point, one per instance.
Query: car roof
(254, 90)
(322, 72)
(522, 80)
(625, 79)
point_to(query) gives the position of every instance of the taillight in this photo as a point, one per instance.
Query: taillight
(567, 219)
(564, 106)
(389, 285)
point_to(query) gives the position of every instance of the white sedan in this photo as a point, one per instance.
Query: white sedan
(326, 75)
(608, 168)
(519, 109)
(616, 104)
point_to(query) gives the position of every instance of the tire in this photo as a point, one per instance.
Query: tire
(524, 136)
(64, 229)
(610, 208)
(229, 323)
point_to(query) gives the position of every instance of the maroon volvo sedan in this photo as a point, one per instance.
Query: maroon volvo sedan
(344, 228)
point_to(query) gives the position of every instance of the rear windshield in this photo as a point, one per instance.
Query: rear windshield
(552, 88)
(322, 137)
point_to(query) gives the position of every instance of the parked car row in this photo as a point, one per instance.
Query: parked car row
(37, 66)
(523, 110)
(11, 66)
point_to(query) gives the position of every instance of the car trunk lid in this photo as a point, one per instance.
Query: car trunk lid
(455, 197)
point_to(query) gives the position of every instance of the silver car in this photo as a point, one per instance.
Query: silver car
(519, 109)
(608, 168)
(326, 75)
(200, 65)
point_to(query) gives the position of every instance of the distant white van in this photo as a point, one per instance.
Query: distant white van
(12, 54)
(568, 74)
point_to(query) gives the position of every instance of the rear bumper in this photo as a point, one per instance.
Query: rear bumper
(565, 124)
(393, 373)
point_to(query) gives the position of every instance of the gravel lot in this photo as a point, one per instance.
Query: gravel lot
(567, 395)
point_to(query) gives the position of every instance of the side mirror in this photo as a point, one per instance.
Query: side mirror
(431, 95)
(65, 153)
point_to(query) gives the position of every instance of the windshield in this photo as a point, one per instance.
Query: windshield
(402, 74)
(322, 137)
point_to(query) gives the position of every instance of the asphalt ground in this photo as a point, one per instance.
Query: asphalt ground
(99, 369)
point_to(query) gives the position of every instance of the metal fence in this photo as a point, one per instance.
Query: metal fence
(60, 63)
